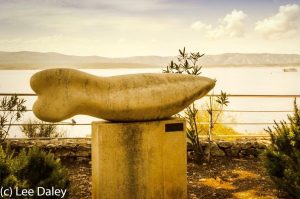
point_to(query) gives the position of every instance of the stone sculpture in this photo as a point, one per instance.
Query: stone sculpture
(63, 93)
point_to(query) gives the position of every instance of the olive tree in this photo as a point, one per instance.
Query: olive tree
(188, 63)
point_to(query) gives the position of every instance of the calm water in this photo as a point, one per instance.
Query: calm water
(244, 80)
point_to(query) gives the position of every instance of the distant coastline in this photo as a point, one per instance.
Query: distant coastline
(96, 66)
(297, 67)
(26, 60)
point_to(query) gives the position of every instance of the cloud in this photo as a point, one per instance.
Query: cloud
(283, 24)
(199, 25)
(230, 26)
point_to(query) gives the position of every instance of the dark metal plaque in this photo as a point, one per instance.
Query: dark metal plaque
(174, 127)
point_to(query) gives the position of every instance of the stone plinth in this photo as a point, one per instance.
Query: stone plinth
(139, 160)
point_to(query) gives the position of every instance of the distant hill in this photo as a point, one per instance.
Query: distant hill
(37, 60)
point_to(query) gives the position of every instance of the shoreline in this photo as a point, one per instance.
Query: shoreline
(149, 67)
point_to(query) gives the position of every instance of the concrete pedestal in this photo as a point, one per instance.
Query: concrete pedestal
(140, 160)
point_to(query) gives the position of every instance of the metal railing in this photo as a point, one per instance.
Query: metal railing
(214, 95)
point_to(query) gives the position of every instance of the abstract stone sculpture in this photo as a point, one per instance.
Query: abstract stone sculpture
(63, 93)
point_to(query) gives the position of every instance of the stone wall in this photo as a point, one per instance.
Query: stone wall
(65, 148)
(80, 148)
(238, 148)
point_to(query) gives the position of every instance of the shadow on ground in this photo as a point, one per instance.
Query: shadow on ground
(230, 178)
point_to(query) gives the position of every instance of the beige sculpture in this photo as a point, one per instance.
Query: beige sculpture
(63, 93)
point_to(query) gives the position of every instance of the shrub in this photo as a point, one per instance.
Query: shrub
(188, 63)
(42, 169)
(5, 171)
(12, 109)
(7, 178)
(36, 128)
(282, 158)
(31, 169)
(218, 128)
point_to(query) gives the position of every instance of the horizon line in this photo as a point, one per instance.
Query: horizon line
(66, 54)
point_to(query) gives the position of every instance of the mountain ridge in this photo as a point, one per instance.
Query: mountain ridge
(43, 60)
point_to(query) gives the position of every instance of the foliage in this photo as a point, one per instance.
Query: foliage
(282, 158)
(188, 63)
(41, 169)
(31, 169)
(218, 128)
(12, 109)
(190, 115)
(5, 170)
(222, 101)
(36, 128)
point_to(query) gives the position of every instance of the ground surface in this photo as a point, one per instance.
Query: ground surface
(81, 180)
(223, 178)
(230, 178)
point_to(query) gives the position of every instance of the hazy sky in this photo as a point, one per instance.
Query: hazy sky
(150, 27)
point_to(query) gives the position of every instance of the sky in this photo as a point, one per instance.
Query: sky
(121, 28)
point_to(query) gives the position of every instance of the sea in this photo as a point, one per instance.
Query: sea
(232, 80)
